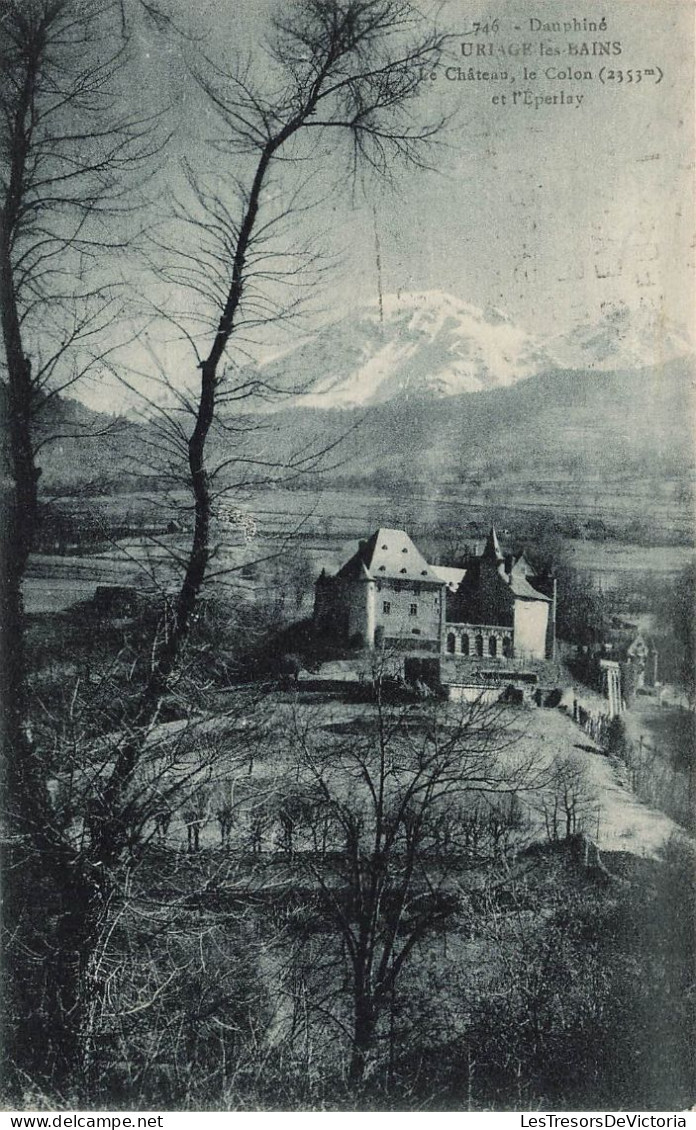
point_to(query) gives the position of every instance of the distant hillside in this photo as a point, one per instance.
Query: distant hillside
(90, 451)
(425, 388)
(621, 339)
(564, 423)
(564, 434)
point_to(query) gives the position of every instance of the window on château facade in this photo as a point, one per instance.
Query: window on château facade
(386, 607)
(479, 645)
(465, 645)
(451, 642)
(414, 610)
(493, 646)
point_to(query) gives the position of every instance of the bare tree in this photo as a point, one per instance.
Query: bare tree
(340, 67)
(69, 160)
(67, 155)
(398, 792)
(338, 70)
(568, 802)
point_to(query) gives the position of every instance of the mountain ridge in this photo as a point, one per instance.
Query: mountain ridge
(570, 421)
(419, 345)
(575, 425)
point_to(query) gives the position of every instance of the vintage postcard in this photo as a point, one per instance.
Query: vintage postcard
(349, 556)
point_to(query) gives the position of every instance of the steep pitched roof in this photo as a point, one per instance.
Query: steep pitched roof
(520, 570)
(452, 577)
(521, 587)
(389, 555)
(520, 565)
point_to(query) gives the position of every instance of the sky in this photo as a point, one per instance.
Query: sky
(551, 212)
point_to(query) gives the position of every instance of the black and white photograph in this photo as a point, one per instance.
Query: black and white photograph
(348, 557)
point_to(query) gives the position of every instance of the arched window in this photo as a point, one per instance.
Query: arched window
(493, 647)
(479, 645)
(451, 642)
(465, 644)
(507, 647)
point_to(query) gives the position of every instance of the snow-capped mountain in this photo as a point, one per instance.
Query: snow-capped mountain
(426, 344)
(622, 339)
(433, 345)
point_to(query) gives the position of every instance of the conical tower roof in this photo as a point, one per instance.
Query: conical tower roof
(491, 550)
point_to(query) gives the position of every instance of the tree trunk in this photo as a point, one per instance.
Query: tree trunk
(364, 1031)
(22, 784)
(47, 964)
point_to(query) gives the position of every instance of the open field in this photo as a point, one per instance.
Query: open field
(611, 562)
(324, 526)
(351, 510)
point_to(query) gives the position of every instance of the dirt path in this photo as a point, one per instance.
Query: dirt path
(623, 822)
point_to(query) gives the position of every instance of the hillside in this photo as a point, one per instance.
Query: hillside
(568, 431)
(425, 388)
(564, 423)
(91, 452)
